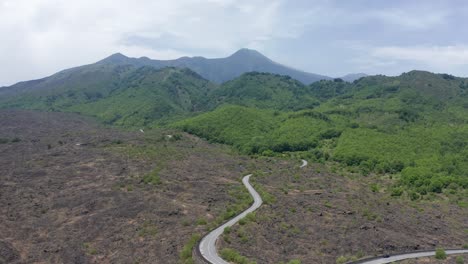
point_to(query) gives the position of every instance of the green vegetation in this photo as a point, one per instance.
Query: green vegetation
(440, 254)
(459, 260)
(227, 230)
(234, 256)
(240, 200)
(413, 128)
(341, 260)
(268, 91)
(148, 229)
(256, 131)
(152, 177)
(201, 221)
(90, 249)
(119, 95)
(186, 253)
(250, 217)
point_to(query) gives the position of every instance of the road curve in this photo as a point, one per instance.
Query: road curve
(383, 260)
(207, 246)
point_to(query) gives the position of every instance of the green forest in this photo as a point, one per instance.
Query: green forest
(413, 126)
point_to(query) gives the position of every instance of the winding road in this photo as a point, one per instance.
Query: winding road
(207, 246)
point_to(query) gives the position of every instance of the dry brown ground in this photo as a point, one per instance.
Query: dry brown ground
(68, 203)
(319, 216)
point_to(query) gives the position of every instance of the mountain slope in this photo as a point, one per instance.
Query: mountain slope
(151, 96)
(353, 76)
(122, 95)
(220, 70)
(413, 125)
(254, 130)
(264, 90)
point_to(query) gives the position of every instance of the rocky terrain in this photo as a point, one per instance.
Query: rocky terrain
(318, 216)
(73, 191)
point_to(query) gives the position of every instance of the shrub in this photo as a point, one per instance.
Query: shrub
(90, 249)
(251, 217)
(176, 137)
(330, 133)
(201, 221)
(374, 187)
(440, 254)
(243, 221)
(234, 256)
(117, 141)
(459, 260)
(341, 260)
(414, 196)
(186, 253)
(147, 229)
(152, 178)
(397, 191)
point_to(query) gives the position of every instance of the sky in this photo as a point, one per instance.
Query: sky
(334, 38)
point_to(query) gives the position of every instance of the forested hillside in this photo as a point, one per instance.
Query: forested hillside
(414, 126)
(118, 95)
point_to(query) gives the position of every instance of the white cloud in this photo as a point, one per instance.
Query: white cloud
(44, 36)
(394, 60)
(435, 56)
(40, 37)
(412, 19)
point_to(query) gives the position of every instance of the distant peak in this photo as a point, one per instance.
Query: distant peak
(118, 55)
(115, 58)
(247, 52)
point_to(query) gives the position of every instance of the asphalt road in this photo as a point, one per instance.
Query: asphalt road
(399, 257)
(207, 245)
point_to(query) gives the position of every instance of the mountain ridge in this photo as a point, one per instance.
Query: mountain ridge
(219, 70)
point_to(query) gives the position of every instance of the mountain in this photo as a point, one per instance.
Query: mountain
(93, 82)
(413, 125)
(220, 70)
(122, 95)
(265, 90)
(353, 76)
